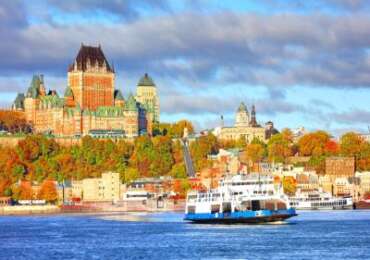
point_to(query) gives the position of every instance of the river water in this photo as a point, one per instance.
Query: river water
(311, 235)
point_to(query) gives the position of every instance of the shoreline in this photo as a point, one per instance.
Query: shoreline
(57, 210)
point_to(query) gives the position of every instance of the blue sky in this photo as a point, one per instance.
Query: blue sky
(302, 63)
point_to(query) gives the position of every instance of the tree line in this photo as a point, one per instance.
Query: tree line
(38, 158)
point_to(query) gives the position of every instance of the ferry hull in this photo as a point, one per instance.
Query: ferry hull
(246, 217)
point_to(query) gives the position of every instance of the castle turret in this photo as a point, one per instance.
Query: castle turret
(147, 93)
(119, 101)
(18, 103)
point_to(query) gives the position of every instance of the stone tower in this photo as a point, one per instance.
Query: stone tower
(242, 116)
(91, 79)
(146, 93)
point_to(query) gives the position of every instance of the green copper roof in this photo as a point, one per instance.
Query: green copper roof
(51, 101)
(34, 89)
(68, 92)
(146, 81)
(242, 107)
(19, 101)
(118, 95)
(131, 104)
(109, 112)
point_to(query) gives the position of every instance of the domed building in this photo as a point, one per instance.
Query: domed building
(246, 126)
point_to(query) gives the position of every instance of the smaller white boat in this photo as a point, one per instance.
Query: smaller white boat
(316, 200)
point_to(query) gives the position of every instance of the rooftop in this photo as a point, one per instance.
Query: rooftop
(91, 54)
(146, 81)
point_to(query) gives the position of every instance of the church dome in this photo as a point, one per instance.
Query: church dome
(242, 107)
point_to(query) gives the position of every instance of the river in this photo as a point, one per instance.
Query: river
(311, 235)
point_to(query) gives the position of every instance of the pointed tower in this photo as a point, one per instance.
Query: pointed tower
(42, 89)
(253, 121)
(119, 101)
(32, 100)
(91, 78)
(68, 97)
(146, 92)
(242, 116)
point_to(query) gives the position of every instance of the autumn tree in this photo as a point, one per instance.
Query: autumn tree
(280, 146)
(130, 174)
(313, 144)
(48, 191)
(162, 159)
(332, 148)
(143, 155)
(178, 171)
(201, 148)
(353, 145)
(14, 122)
(289, 185)
(23, 191)
(175, 130)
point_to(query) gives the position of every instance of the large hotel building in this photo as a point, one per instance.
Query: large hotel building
(91, 104)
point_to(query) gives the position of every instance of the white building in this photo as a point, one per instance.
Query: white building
(246, 127)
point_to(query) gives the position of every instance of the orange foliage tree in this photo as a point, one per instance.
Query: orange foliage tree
(352, 144)
(313, 144)
(48, 191)
(14, 122)
(23, 191)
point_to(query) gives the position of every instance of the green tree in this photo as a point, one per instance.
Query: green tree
(130, 175)
(178, 171)
(280, 146)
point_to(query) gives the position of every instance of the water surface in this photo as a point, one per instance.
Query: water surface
(311, 235)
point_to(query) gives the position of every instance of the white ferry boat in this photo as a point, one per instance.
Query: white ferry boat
(239, 198)
(317, 200)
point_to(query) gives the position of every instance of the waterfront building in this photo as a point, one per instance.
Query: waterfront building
(146, 188)
(364, 178)
(340, 167)
(307, 181)
(106, 188)
(245, 127)
(91, 105)
(326, 184)
(343, 186)
(76, 189)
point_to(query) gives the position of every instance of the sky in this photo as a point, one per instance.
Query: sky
(302, 63)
